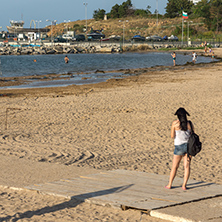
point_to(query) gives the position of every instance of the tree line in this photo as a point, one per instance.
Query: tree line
(120, 11)
(209, 10)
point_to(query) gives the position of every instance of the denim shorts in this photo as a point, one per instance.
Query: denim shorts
(180, 149)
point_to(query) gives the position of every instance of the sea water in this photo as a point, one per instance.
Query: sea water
(29, 65)
(35, 65)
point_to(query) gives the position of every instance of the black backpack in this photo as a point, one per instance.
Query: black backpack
(194, 145)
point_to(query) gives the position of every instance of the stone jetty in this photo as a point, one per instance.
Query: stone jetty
(57, 49)
(86, 47)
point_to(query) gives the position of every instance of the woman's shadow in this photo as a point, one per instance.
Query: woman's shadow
(73, 202)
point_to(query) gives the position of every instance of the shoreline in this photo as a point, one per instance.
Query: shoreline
(135, 76)
(23, 82)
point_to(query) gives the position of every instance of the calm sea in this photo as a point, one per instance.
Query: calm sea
(12, 66)
(15, 66)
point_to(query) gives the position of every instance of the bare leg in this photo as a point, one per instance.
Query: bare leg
(176, 163)
(186, 171)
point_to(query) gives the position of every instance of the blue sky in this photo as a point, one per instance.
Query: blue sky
(61, 10)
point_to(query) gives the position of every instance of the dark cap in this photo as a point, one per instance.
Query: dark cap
(181, 111)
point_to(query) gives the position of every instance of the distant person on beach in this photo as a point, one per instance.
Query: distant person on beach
(174, 58)
(66, 59)
(205, 47)
(212, 55)
(194, 57)
(180, 132)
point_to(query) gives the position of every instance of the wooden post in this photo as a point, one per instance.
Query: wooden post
(6, 117)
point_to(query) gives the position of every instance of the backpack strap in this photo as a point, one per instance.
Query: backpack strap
(191, 126)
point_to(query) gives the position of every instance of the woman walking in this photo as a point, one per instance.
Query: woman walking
(180, 132)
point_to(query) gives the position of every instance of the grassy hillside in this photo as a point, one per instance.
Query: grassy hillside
(142, 26)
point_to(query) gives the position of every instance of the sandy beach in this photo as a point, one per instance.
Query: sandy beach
(52, 133)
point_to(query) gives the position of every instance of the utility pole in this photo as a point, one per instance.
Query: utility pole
(38, 27)
(123, 28)
(156, 12)
(52, 21)
(85, 3)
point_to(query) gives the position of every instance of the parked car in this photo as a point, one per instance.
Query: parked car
(79, 37)
(2, 36)
(138, 38)
(173, 38)
(114, 37)
(156, 38)
(60, 39)
(165, 37)
(95, 35)
(10, 36)
(111, 38)
(66, 36)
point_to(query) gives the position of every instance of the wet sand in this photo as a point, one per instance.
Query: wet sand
(63, 132)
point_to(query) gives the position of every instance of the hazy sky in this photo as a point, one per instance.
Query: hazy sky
(61, 10)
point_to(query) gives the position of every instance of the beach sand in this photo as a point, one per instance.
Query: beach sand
(54, 133)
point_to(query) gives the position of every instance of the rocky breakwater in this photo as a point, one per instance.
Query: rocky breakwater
(56, 49)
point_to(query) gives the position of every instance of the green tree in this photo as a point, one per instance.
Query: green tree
(216, 14)
(211, 11)
(174, 8)
(119, 11)
(148, 9)
(122, 11)
(114, 13)
(99, 14)
(202, 8)
(127, 4)
(143, 12)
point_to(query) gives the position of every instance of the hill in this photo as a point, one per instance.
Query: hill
(137, 25)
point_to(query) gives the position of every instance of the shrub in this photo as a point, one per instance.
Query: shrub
(177, 31)
(208, 34)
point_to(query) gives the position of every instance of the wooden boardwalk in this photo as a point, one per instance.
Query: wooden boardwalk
(129, 189)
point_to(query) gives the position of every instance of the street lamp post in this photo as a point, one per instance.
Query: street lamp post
(66, 21)
(123, 28)
(188, 25)
(48, 20)
(38, 27)
(188, 32)
(157, 13)
(85, 3)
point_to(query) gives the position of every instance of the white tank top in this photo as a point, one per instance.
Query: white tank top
(181, 137)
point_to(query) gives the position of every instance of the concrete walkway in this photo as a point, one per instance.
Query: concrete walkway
(143, 191)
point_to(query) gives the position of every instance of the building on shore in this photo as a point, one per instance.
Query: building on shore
(16, 29)
(195, 1)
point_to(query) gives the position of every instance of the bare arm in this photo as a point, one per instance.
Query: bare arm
(173, 130)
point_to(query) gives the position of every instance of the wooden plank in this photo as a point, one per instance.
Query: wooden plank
(131, 189)
(131, 193)
(145, 181)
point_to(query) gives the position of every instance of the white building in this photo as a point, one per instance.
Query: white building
(195, 1)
